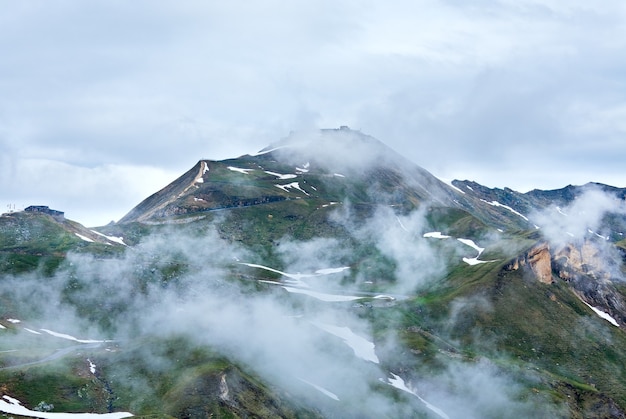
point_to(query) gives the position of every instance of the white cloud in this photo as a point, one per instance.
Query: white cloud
(505, 93)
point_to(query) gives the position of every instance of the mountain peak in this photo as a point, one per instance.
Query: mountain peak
(335, 149)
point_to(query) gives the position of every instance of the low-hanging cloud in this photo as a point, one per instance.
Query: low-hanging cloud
(580, 219)
(180, 283)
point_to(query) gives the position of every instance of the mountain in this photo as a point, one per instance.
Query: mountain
(324, 276)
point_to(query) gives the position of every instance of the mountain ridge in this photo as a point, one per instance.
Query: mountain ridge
(405, 295)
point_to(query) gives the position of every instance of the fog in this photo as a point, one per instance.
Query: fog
(185, 282)
(580, 219)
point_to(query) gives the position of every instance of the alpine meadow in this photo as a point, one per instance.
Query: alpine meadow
(325, 276)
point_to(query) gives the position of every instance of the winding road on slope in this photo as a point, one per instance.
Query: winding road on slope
(59, 353)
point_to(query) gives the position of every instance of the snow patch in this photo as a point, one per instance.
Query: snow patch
(85, 238)
(362, 347)
(114, 239)
(92, 366)
(399, 383)
(14, 321)
(34, 332)
(296, 277)
(449, 183)
(237, 169)
(436, 235)
(497, 204)
(14, 407)
(338, 175)
(599, 235)
(602, 314)
(474, 261)
(294, 185)
(303, 169)
(281, 176)
(473, 245)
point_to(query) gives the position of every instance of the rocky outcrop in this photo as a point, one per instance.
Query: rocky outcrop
(586, 266)
(538, 260)
(586, 258)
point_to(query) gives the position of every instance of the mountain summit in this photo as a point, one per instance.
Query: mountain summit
(327, 165)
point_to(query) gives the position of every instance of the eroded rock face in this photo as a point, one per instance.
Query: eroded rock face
(538, 259)
(585, 266)
(576, 259)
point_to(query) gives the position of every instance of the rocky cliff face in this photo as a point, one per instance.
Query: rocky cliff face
(573, 260)
(538, 260)
(585, 266)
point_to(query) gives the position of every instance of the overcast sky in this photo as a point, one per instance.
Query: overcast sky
(104, 102)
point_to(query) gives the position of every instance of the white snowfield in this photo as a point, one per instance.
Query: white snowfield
(92, 366)
(114, 239)
(14, 407)
(281, 176)
(497, 204)
(449, 183)
(399, 383)
(85, 238)
(362, 347)
(292, 185)
(299, 276)
(304, 168)
(602, 314)
(475, 260)
(470, 261)
(240, 170)
(296, 285)
(436, 235)
(296, 277)
(471, 244)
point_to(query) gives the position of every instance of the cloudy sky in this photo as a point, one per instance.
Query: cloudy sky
(104, 102)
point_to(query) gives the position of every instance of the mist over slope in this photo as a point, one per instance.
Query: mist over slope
(325, 276)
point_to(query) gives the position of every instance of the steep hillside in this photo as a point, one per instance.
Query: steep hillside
(324, 276)
(323, 168)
